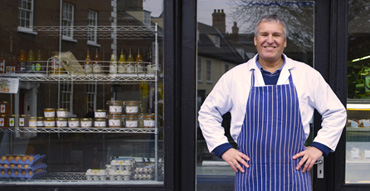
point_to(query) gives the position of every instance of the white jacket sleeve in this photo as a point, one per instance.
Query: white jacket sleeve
(334, 115)
(217, 103)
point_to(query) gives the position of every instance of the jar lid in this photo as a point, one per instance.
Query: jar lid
(62, 119)
(33, 117)
(3, 115)
(99, 119)
(86, 119)
(131, 116)
(114, 102)
(100, 110)
(133, 102)
(74, 119)
(42, 118)
(62, 109)
(4, 102)
(46, 109)
(50, 119)
(114, 116)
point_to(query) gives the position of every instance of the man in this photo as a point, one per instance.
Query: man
(271, 99)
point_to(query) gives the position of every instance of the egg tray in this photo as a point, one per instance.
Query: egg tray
(33, 168)
(37, 158)
(34, 175)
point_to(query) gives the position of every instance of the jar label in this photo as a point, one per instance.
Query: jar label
(100, 124)
(97, 68)
(40, 123)
(2, 122)
(11, 122)
(114, 123)
(61, 113)
(132, 109)
(131, 123)
(32, 124)
(49, 123)
(49, 114)
(149, 123)
(115, 109)
(21, 122)
(2, 108)
(73, 124)
(62, 123)
(100, 114)
(86, 123)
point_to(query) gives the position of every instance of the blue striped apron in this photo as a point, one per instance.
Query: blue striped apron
(272, 132)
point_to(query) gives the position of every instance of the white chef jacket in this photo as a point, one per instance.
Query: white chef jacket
(230, 94)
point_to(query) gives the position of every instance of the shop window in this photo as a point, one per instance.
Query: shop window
(25, 16)
(67, 21)
(92, 27)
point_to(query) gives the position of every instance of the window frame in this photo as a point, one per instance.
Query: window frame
(70, 21)
(27, 28)
(92, 26)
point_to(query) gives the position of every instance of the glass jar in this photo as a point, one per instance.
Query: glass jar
(86, 122)
(62, 122)
(40, 122)
(62, 113)
(115, 107)
(11, 119)
(23, 121)
(114, 121)
(100, 123)
(73, 122)
(100, 113)
(149, 120)
(32, 122)
(49, 122)
(4, 121)
(132, 107)
(4, 108)
(49, 112)
(131, 121)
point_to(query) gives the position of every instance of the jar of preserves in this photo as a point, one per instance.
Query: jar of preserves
(86, 122)
(32, 122)
(115, 107)
(4, 108)
(11, 119)
(49, 112)
(100, 123)
(40, 122)
(49, 122)
(114, 121)
(131, 121)
(73, 122)
(132, 107)
(4, 121)
(62, 113)
(23, 121)
(149, 120)
(62, 122)
(100, 113)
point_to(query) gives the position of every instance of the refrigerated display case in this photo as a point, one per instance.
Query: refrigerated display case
(69, 118)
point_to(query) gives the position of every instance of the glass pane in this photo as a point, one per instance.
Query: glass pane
(358, 103)
(225, 40)
(80, 113)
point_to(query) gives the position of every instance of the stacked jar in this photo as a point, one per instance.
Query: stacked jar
(100, 118)
(115, 114)
(132, 109)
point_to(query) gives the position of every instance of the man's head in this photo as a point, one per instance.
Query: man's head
(270, 38)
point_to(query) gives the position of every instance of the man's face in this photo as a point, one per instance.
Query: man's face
(270, 41)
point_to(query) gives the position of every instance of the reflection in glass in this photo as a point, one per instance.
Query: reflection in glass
(358, 86)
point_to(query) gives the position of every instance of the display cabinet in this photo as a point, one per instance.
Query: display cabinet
(357, 141)
(70, 118)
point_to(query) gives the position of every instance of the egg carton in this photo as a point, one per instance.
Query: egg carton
(145, 169)
(96, 174)
(143, 177)
(36, 159)
(27, 168)
(120, 161)
(118, 175)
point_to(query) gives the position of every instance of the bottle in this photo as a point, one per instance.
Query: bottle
(139, 62)
(130, 63)
(121, 68)
(30, 61)
(15, 65)
(38, 65)
(88, 64)
(150, 67)
(22, 61)
(113, 64)
(97, 66)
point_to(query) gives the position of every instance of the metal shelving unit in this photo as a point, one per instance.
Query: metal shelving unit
(80, 130)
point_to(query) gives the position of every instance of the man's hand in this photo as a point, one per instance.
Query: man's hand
(234, 158)
(309, 157)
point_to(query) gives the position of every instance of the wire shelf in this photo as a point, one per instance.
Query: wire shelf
(80, 130)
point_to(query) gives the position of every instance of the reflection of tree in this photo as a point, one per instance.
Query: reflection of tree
(297, 15)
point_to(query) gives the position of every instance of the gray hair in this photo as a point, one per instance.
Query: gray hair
(272, 17)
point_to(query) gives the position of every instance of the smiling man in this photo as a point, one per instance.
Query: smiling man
(271, 99)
